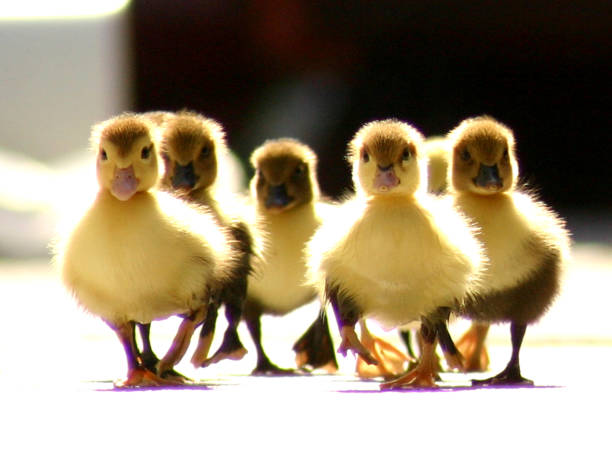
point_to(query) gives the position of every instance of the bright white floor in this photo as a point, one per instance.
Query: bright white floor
(57, 365)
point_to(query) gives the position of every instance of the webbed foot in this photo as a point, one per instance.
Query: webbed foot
(413, 378)
(221, 354)
(314, 349)
(267, 368)
(351, 342)
(142, 377)
(472, 346)
(511, 376)
(391, 361)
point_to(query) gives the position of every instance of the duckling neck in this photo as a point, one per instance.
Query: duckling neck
(105, 197)
(302, 215)
(390, 200)
(203, 196)
(496, 200)
(122, 214)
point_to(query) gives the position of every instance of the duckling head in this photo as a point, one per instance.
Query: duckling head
(385, 158)
(126, 158)
(285, 175)
(190, 146)
(483, 160)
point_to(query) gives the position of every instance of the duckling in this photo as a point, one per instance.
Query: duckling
(192, 147)
(436, 151)
(393, 252)
(472, 344)
(391, 360)
(287, 208)
(527, 243)
(139, 255)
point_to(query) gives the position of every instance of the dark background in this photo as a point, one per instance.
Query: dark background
(317, 71)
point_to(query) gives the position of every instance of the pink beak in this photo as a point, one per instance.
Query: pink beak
(385, 180)
(124, 184)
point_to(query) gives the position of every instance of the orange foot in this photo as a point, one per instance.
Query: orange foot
(414, 378)
(391, 361)
(236, 354)
(351, 342)
(200, 355)
(141, 377)
(472, 346)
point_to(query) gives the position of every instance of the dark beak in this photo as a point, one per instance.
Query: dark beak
(488, 177)
(277, 196)
(184, 176)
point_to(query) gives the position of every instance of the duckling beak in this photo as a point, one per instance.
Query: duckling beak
(385, 178)
(124, 184)
(488, 178)
(184, 176)
(277, 197)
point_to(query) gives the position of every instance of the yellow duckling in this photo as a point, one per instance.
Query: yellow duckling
(527, 243)
(392, 361)
(393, 252)
(192, 148)
(286, 207)
(138, 255)
(436, 151)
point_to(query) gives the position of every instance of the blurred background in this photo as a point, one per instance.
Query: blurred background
(311, 70)
(315, 71)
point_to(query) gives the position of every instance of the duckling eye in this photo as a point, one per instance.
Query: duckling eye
(103, 155)
(205, 152)
(465, 155)
(505, 153)
(146, 152)
(299, 170)
(365, 157)
(406, 154)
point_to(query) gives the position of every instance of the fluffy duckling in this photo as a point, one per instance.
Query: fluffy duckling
(526, 242)
(391, 361)
(138, 255)
(472, 344)
(286, 207)
(192, 146)
(436, 151)
(393, 252)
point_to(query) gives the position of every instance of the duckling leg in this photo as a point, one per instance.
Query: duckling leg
(425, 373)
(207, 334)
(391, 361)
(347, 314)
(181, 341)
(264, 366)
(231, 347)
(406, 336)
(315, 349)
(454, 359)
(472, 346)
(138, 374)
(149, 359)
(511, 375)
